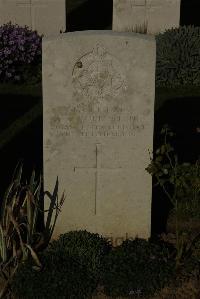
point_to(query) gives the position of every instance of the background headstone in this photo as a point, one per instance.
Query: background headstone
(48, 17)
(158, 15)
(98, 105)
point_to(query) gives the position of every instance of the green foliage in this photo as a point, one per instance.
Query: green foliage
(137, 266)
(89, 247)
(72, 268)
(185, 197)
(19, 237)
(62, 276)
(178, 56)
(184, 178)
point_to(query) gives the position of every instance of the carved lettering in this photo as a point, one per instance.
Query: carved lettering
(99, 122)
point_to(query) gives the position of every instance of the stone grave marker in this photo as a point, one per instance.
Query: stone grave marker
(48, 17)
(158, 15)
(98, 105)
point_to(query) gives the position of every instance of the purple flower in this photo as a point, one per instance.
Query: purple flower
(19, 46)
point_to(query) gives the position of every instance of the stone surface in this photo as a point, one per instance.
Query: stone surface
(158, 15)
(48, 17)
(98, 97)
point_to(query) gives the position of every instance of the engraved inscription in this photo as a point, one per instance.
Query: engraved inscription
(85, 121)
(121, 5)
(98, 75)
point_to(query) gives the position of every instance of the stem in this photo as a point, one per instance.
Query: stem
(165, 190)
(5, 288)
(167, 154)
(179, 250)
(170, 160)
(16, 225)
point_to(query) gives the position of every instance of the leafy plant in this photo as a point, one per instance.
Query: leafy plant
(91, 248)
(18, 232)
(178, 56)
(20, 54)
(185, 182)
(62, 276)
(79, 255)
(137, 265)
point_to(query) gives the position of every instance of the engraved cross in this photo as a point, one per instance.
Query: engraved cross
(139, 2)
(28, 4)
(97, 168)
(32, 9)
(144, 3)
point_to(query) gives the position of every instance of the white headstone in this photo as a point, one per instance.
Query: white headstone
(48, 17)
(158, 15)
(98, 97)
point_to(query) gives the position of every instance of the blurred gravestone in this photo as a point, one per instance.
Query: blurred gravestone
(156, 15)
(46, 16)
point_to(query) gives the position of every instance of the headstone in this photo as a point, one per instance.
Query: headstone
(48, 17)
(157, 15)
(98, 97)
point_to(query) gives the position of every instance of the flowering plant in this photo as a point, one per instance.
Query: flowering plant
(181, 184)
(20, 53)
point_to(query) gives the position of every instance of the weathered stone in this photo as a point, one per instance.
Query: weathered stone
(98, 97)
(156, 15)
(48, 17)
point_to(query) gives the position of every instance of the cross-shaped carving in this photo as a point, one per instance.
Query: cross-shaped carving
(32, 9)
(97, 168)
(28, 4)
(144, 3)
(139, 2)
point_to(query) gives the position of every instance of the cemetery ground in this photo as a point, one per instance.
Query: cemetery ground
(186, 283)
(83, 265)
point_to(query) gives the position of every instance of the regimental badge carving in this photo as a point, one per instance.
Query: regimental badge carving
(98, 75)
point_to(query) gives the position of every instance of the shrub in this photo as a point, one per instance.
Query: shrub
(61, 277)
(137, 266)
(178, 56)
(72, 266)
(89, 247)
(20, 54)
(184, 180)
